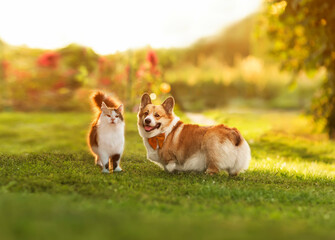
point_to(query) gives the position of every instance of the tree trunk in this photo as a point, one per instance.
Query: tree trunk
(331, 124)
(331, 101)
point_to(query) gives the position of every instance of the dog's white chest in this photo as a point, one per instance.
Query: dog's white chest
(151, 153)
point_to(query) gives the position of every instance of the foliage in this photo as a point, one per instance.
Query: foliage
(50, 188)
(250, 82)
(33, 79)
(48, 80)
(225, 69)
(304, 34)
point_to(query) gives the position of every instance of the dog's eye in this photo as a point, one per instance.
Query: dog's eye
(108, 115)
(146, 114)
(156, 115)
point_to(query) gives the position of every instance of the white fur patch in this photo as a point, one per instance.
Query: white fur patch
(171, 166)
(243, 157)
(177, 133)
(233, 159)
(170, 127)
(152, 120)
(228, 157)
(118, 169)
(197, 162)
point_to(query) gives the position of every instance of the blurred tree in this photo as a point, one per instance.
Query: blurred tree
(76, 56)
(80, 61)
(303, 35)
(230, 43)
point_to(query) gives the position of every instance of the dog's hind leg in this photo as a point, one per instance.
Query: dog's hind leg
(212, 157)
(232, 173)
(212, 168)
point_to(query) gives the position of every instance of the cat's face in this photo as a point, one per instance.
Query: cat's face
(111, 115)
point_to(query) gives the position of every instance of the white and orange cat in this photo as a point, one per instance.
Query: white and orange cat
(106, 136)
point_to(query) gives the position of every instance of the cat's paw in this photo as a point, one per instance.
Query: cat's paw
(98, 164)
(117, 169)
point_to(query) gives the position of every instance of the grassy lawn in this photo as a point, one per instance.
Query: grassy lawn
(50, 188)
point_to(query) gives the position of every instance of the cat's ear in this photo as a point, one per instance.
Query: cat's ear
(104, 107)
(145, 100)
(120, 108)
(168, 105)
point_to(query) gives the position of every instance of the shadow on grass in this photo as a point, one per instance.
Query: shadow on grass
(293, 151)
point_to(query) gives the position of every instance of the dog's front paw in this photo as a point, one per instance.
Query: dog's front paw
(104, 170)
(171, 167)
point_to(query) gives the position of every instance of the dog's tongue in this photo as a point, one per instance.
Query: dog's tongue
(148, 128)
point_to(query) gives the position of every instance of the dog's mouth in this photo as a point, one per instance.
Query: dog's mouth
(148, 128)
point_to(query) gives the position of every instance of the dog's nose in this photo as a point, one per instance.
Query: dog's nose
(147, 121)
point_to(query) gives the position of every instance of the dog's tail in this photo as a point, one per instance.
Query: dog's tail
(236, 137)
(99, 97)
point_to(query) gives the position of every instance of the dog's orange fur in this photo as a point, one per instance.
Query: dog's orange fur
(186, 140)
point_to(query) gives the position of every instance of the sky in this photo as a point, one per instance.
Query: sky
(117, 25)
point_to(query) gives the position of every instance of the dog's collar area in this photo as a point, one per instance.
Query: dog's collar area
(157, 141)
(177, 125)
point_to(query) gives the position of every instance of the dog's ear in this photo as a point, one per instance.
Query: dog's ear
(145, 100)
(168, 105)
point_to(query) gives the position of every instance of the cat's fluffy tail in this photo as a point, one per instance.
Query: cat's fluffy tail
(99, 97)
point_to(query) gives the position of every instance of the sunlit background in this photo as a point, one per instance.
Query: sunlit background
(110, 26)
(207, 54)
(240, 54)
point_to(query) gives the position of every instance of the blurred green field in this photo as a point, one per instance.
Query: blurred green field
(50, 188)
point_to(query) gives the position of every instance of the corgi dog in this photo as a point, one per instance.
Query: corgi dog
(177, 146)
(106, 135)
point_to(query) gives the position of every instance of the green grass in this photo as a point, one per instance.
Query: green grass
(50, 188)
